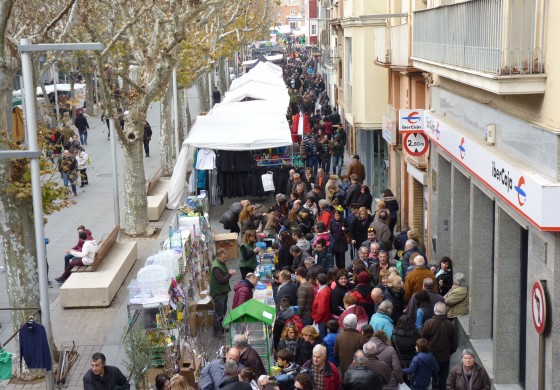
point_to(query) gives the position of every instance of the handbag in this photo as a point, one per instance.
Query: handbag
(267, 182)
(347, 237)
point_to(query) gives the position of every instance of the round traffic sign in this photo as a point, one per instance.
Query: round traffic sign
(415, 144)
(538, 301)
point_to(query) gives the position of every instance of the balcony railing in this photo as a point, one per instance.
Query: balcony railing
(392, 45)
(382, 46)
(400, 45)
(495, 37)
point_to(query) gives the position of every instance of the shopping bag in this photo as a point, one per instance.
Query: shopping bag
(403, 386)
(268, 183)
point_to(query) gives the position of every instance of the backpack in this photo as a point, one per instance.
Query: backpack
(296, 320)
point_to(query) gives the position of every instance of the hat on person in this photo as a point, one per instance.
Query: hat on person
(364, 277)
(356, 157)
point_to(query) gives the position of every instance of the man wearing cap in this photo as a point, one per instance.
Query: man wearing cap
(357, 168)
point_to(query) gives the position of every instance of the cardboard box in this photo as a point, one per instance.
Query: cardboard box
(204, 318)
(227, 241)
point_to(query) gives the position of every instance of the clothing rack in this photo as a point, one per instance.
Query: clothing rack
(37, 310)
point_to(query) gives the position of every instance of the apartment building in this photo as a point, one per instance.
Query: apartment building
(491, 181)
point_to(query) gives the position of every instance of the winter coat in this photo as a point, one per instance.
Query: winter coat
(250, 358)
(82, 158)
(325, 260)
(352, 195)
(288, 290)
(393, 206)
(285, 258)
(284, 317)
(358, 311)
(339, 243)
(231, 216)
(423, 369)
(359, 228)
(234, 383)
(457, 300)
(329, 341)
(380, 321)
(243, 291)
(405, 344)
(212, 375)
(376, 365)
(414, 281)
(397, 298)
(345, 345)
(286, 378)
(321, 309)
(411, 308)
(389, 355)
(447, 278)
(365, 200)
(289, 344)
(337, 296)
(112, 378)
(362, 378)
(305, 350)
(89, 248)
(359, 169)
(331, 377)
(305, 299)
(362, 295)
(479, 378)
(325, 216)
(441, 336)
(383, 233)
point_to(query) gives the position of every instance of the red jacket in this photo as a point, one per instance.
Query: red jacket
(243, 292)
(321, 309)
(331, 376)
(295, 125)
(325, 216)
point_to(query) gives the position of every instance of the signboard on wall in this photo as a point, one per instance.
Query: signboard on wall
(534, 196)
(388, 130)
(411, 121)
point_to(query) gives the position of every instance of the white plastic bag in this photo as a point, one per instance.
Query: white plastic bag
(268, 183)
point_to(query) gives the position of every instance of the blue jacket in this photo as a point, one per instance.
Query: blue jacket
(423, 368)
(382, 322)
(212, 375)
(329, 340)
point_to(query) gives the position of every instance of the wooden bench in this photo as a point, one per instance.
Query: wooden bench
(97, 289)
(103, 248)
(157, 199)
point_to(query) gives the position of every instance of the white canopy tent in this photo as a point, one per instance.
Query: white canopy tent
(238, 124)
(261, 73)
(259, 91)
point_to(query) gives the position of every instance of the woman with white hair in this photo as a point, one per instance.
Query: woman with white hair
(457, 299)
(468, 375)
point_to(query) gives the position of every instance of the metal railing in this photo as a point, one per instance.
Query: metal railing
(498, 37)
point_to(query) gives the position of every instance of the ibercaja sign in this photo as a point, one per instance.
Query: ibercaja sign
(411, 121)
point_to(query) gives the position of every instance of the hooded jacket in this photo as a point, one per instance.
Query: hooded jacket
(87, 254)
(243, 291)
(389, 355)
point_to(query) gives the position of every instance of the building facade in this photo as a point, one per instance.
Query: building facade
(491, 181)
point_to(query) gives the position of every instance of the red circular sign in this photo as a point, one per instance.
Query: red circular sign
(415, 144)
(538, 303)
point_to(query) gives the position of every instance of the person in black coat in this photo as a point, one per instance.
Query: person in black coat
(285, 258)
(360, 377)
(287, 289)
(83, 126)
(365, 199)
(338, 293)
(232, 382)
(444, 275)
(404, 339)
(359, 227)
(101, 376)
(147, 138)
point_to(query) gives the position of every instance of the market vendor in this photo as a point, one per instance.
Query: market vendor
(219, 288)
(248, 251)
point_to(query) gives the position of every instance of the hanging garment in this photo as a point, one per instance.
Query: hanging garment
(205, 159)
(5, 364)
(34, 347)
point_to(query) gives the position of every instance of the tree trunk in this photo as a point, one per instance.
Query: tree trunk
(182, 115)
(167, 133)
(90, 90)
(203, 93)
(16, 228)
(134, 177)
(223, 78)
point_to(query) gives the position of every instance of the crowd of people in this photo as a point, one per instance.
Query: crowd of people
(358, 304)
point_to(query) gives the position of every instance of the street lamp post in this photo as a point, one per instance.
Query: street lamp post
(34, 154)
